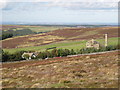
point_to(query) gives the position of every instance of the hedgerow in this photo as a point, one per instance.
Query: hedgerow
(55, 53)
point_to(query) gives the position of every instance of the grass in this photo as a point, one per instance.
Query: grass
(40, 28)
(58, 85)
(111, 41)
(40, 40)
(88, 33)
(64, 45)
(99, 71)
(43, 29)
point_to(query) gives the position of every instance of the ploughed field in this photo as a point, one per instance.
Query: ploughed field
(86, 71)
(58, 36)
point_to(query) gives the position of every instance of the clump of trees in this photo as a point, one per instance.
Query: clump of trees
(11, 32)
(6, 35)
(65, 52)
(8, 57)
(17, 56)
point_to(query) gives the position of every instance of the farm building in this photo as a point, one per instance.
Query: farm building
(92, 43)
(29, 55)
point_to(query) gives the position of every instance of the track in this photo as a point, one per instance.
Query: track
(56, 59)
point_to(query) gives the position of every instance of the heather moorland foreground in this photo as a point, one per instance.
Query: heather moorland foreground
(86, 71)
(59, 44)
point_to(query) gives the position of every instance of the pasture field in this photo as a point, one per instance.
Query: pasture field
(45, 29)
(65, 45)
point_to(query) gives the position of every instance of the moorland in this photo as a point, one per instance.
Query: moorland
(99, 70)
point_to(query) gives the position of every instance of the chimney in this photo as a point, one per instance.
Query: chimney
(106, 40)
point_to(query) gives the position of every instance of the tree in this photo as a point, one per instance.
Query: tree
(72, 52)
(6, 35)
(49, 55)
(67, 52)
(55, 52)
(18, 55)
(5, 56)
(61, 52)
(41, 55)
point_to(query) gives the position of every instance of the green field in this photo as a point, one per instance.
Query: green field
(44, 28)
(37, 28)
(64, 45)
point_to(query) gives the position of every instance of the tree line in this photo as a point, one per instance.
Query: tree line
(17, 56)
(10, 33)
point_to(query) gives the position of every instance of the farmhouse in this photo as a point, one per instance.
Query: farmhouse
(92, 43)
(29, 55)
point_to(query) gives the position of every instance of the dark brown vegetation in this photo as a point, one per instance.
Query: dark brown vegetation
(60, 35)
(87, 71)
(86, 33)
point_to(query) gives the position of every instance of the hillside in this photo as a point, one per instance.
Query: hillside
(35, 28)
(86, 71)
(73, 34)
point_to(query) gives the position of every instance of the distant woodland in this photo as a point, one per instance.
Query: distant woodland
(11, 33)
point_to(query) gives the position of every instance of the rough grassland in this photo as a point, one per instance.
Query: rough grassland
(87, 71)
(71, 34)
(64, 45)
(33, 28)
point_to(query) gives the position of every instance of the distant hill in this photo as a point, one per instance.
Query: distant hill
(67, 34)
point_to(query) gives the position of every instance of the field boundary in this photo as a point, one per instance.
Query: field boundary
(92, 53)
(62, 57)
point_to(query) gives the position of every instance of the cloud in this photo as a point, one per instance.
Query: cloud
(83, 4)
(3, 3)
(76, 1)
(66, 4)
(86, 5)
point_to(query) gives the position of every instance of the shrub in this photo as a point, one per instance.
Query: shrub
(109, 48)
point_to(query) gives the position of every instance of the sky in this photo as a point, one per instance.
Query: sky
(59, 11)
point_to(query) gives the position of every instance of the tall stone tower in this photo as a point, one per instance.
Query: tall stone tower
(106, 40)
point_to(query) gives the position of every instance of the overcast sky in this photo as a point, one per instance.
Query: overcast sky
(59, 11)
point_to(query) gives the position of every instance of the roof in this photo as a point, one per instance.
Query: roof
(36, 53)
(93, 42)
(30, 54)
